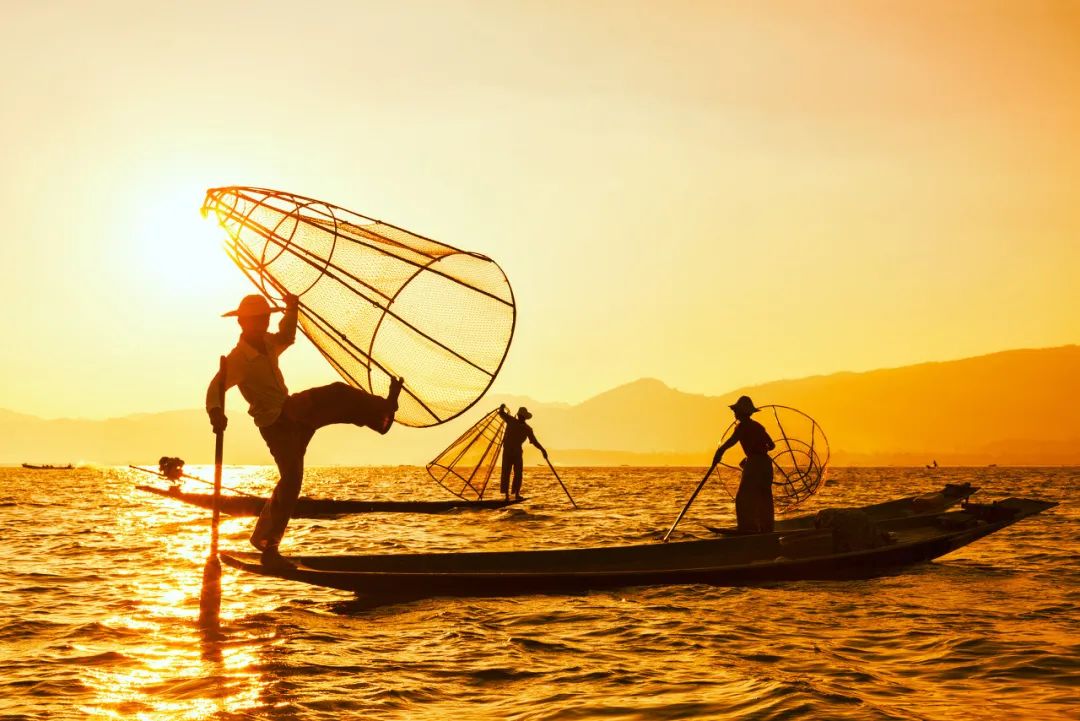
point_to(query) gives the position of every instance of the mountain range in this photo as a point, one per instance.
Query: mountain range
(1018, 407)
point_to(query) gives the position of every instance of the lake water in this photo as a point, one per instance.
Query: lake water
(101, 584)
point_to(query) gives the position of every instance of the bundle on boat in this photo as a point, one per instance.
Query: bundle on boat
(736, 560)
(918, 505)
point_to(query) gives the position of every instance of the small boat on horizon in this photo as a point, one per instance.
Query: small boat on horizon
(33, 467)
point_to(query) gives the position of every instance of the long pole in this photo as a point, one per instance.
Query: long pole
(692, 497)
(210, 600)
(560, 482)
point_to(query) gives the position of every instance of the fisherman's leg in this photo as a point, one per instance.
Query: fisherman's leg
(504, 474)
(768, 511)
(288, 443)
(744, 507)
(270, 528)
(341, 403)
(519, 464)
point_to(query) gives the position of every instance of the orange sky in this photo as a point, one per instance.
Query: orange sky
(712, 194)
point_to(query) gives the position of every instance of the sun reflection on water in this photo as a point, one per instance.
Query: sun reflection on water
(176, 673)
(106, 581)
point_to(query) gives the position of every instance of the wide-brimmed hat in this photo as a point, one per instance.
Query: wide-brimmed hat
(252, 305)
(523, 413)
(744, 405)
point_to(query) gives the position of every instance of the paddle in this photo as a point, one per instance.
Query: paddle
(560, 482)
(692, 497)
(210, 598)
(200, 480)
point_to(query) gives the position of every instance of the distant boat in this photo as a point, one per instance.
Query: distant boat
(32, 467)
(232, 505)
(932, 465)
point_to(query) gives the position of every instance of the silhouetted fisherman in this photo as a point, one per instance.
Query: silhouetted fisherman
(753, 501)
(286, 422)
(517, 432)
(173, 469)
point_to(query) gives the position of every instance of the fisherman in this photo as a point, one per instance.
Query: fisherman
(286, 422)
(753, 501)
(173, 469)
(517, 431)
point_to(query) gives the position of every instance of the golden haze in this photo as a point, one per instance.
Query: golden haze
(716, 196)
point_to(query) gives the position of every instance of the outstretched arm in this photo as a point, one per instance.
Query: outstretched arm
(532, 439)
(504, 415)
(725, 446)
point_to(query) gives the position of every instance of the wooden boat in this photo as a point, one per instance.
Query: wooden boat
(32, 467)
(942, 500)
(232, 505)
(737, 560)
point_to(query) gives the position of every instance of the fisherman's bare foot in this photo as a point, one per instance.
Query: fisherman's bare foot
(392, 405)
(272, 559)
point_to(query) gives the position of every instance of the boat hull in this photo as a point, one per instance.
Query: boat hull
(323, 507)
(743, 560)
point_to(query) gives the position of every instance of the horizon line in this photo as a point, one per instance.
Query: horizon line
(608, 390)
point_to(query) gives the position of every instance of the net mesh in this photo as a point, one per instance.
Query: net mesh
(799, 459)
(376, 300)
(466, 466)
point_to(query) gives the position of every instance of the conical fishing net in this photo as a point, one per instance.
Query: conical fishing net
(465, 467)
(376, 300)
(799, 459)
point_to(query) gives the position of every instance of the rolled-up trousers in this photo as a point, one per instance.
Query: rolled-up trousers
(288, 437)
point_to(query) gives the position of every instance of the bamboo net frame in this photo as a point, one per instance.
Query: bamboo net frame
(799, 460)
(378, 301)
(466, 466)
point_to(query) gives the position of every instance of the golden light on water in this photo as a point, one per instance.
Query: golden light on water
(117, 639)
(175, 673)
(177, 683)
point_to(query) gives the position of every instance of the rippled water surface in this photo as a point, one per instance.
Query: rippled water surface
(101, 585)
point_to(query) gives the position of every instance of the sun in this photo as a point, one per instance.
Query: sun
(177, 250)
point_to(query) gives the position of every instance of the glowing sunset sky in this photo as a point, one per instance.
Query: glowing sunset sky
(712, 194)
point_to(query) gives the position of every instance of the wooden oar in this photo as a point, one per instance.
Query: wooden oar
(560, 482)
(692, 497)
(210, 599)
(196, 478)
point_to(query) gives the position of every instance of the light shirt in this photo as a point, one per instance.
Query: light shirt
(257, 374)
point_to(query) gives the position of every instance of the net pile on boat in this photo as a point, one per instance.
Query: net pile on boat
(467, 464)
(376, 300)
(799, 459)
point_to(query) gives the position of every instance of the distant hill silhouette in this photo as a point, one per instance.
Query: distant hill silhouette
(1019, 407)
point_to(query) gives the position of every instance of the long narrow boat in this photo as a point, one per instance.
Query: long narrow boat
(942, 500)
(232, 505)
(737, 560)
